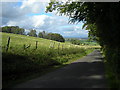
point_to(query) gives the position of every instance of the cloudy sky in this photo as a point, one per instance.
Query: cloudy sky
(30, 14)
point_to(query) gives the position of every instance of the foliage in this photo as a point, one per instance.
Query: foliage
(75, 41)
(102, 19)
(13, 29)
(56, 37)
(99, 18)
(51, 36)
(40, 35)
(32, 33)
(81, 41)
(17, 30)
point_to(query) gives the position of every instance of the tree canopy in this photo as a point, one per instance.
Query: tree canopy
(102, 20)
(13, 29)
(56, 37)
(51, 36)
(32, 33)
(40, 35)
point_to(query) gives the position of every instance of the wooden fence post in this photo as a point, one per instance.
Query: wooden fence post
(24, 46)
(8, 44)
(58, 47)
(62, 46)
(36, 44)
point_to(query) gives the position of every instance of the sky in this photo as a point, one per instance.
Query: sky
(30, 14)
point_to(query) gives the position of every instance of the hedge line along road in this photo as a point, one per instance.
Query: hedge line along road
(87, 72)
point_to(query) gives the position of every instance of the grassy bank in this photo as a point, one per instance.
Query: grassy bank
(111, 67)
(18, 68)
(113, 81)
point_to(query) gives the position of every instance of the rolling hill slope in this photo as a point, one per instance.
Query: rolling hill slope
(22, 60)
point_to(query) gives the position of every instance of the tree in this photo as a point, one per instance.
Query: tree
(44, 34)
(51, 36)
(40, 35)
(21, 31)
(75, 41)
(6, 29)
(32, 33)
(102, 19)
(13, 29)
(55, 36)
(93, 14)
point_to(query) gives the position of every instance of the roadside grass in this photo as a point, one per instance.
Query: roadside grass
(19, 64)
(112, 80)
(31, 75)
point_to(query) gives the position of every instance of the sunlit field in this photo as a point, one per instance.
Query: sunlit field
(24, 56)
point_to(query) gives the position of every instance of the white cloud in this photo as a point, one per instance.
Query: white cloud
(75, 31)
(39, 20)
(36, 22)
(11, 23)
(20, 15)
(32, 6)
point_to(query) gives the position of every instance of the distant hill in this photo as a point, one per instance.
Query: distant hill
(75, 38)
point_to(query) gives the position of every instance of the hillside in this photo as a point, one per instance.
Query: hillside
(23, 58)
(17, 40)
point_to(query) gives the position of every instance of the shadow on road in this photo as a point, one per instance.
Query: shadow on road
(87, 72)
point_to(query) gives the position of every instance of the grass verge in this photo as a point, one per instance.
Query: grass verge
(112, 79)
(111, 76)
(43, 71)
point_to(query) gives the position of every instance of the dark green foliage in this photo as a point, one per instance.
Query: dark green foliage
(56, 37)
(75, 41)
(102, 19)
(40, 35)
(51, 36)
(112, 56)
(13, 29)
(32, 33)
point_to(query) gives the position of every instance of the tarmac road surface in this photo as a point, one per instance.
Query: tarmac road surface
(87, 72)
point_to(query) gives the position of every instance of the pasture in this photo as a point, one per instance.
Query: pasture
(25, 57)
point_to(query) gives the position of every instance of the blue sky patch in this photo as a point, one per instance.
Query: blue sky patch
(32, 15)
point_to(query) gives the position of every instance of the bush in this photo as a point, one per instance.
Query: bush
(113, 67)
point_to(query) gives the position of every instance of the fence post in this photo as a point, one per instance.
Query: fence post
(8, 44)
(58, 47)
(24, 46)
(36, 44)
(62, 46)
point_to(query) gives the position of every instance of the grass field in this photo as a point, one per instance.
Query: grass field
(20, 62)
